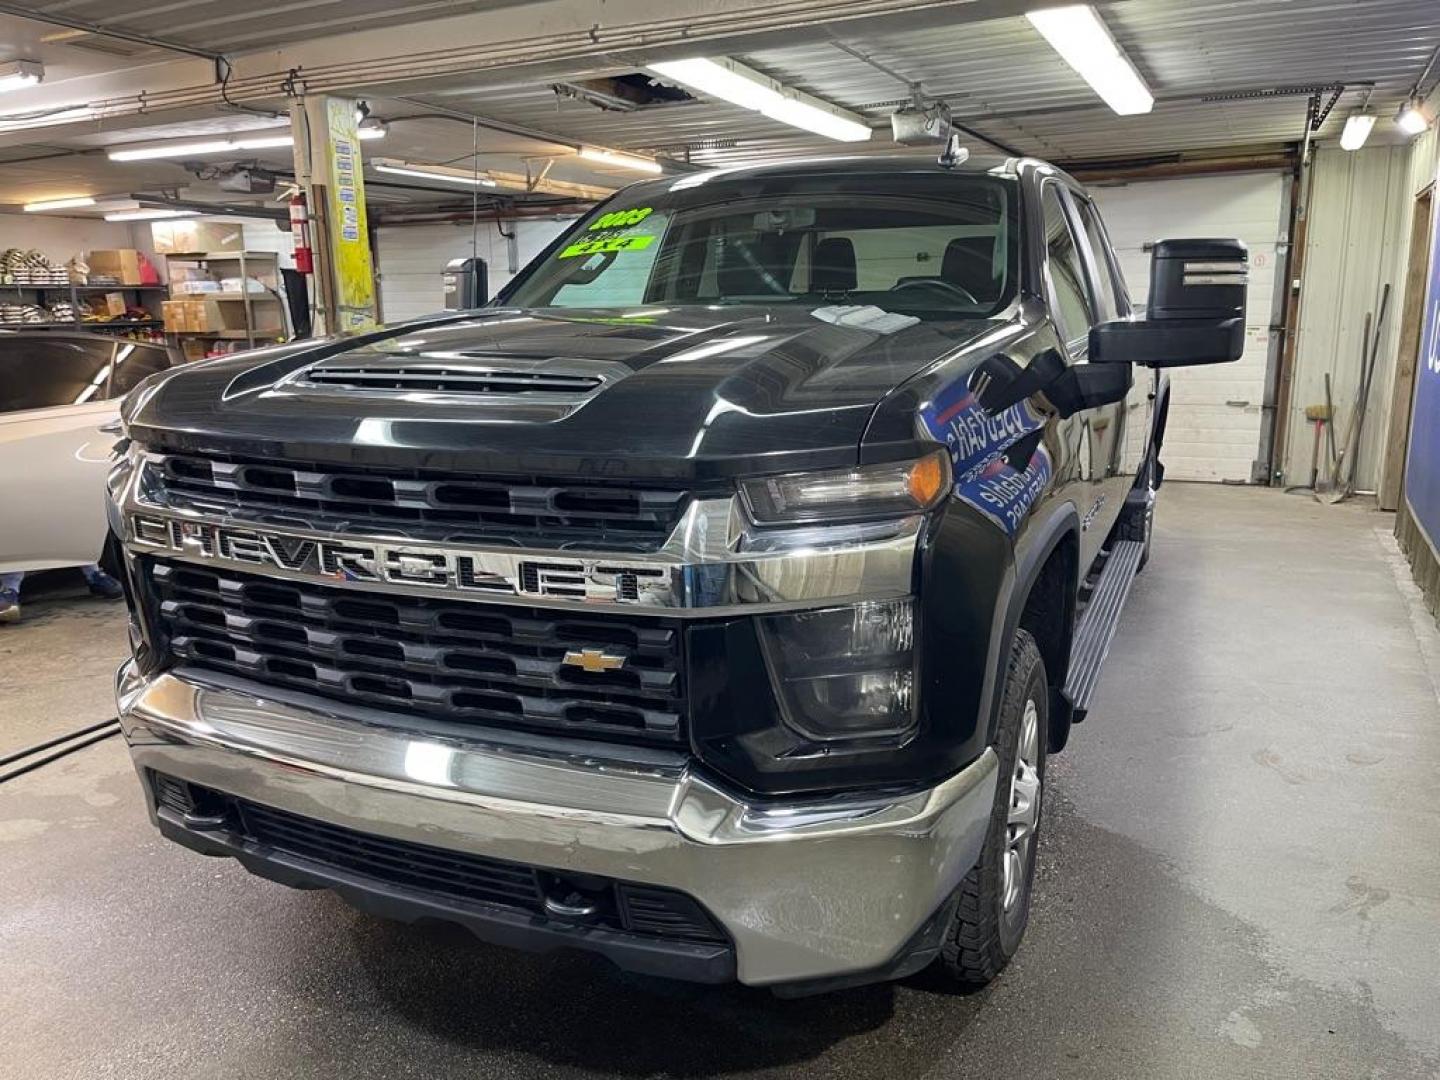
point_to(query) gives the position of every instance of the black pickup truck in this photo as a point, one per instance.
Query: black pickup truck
(710, 599)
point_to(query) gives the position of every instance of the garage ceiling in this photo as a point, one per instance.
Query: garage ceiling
(1228, 75)
(219, 26)
(1002, 79)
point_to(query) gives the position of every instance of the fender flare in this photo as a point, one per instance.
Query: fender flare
(1046, 535)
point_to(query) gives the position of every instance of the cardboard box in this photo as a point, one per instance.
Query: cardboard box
(196, 237)
(202, 315)
(177, 318)
(121, 264)
(193, 348)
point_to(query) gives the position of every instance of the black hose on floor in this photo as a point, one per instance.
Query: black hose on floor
(108, 729)
(56, 741)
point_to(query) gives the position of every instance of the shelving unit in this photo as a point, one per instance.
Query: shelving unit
(262, 311)
(43, 297)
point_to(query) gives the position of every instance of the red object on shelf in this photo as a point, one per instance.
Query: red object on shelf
(300, 230)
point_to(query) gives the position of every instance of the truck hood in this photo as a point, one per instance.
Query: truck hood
(685, 393)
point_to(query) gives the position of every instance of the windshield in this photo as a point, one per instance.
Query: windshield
(946, 251)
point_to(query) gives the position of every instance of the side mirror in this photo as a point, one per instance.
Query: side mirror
(1196, 313)
(999, 383)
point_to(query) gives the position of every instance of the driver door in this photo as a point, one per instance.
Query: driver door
(1077, 302)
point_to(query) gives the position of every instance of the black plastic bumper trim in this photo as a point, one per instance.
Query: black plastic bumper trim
(693, 962)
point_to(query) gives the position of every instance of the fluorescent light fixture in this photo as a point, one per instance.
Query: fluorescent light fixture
(1357, 130)
(624, 161)
(18, 74)
(730, 81)
(237, 144)
(371, 128)
(1084, 42)
(150, 215)
(444, 173)
(816, 118)
(1412, 118)
(60, 204)
(179, 149)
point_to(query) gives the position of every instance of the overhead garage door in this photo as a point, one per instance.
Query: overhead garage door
(412, 258)
(1215, 412)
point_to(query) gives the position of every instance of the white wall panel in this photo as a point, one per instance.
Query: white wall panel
(1215, 412)
(60, 239)
(411, 259)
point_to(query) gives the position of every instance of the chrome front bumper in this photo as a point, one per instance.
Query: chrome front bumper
(809, 890)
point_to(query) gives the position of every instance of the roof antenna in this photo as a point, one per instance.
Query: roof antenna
(954, 153)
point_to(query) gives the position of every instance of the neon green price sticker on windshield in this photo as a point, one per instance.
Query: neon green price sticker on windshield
(622, 219)
(606, 244)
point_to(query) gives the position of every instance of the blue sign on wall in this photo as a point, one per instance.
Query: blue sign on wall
(1422, 470)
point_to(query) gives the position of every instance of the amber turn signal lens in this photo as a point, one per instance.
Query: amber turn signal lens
(927, 478)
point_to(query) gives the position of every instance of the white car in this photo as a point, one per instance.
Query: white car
(58, 389)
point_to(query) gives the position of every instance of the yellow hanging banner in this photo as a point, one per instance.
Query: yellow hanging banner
(349, 237)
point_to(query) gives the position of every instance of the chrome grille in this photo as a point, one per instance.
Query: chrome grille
(490, 665)
(422, 503)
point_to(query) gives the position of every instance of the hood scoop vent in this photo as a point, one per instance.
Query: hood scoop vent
(450, 380)
(454, 375)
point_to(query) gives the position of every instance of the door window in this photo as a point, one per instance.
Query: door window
(36, 373)
(1065, 269)
(133, 362)
(1113, 298)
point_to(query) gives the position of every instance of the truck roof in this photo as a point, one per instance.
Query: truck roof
(857, 165)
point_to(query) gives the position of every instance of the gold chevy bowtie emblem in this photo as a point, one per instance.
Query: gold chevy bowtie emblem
(594, 660)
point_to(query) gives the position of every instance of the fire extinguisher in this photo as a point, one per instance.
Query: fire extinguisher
(300, 231)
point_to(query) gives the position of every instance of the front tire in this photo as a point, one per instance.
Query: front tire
(994, 899)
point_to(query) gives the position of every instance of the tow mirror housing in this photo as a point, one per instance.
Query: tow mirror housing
(1196, 313)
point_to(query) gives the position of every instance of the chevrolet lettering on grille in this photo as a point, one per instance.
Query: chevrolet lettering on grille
(331, 559)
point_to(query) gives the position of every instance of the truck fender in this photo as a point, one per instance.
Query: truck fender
(1043, 535)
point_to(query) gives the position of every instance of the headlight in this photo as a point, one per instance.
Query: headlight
(865, 493)
(845, 672)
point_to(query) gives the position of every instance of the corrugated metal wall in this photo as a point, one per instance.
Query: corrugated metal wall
(1356, 238)
(411, 258)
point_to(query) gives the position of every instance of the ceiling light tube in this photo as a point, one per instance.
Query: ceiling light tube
(1412, 118)
(264, 142)
(177, 149)
(730, 81)
(73, 203)
(149, 215)
(1357, 129)
(238, 144)
(434, 172)
(1084, 42)
(18, 74)
(624, 161)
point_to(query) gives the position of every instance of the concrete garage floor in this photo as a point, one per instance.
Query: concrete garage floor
(1240, 876)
